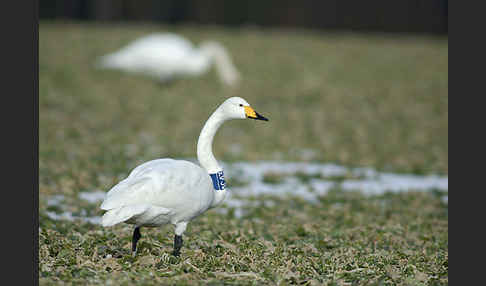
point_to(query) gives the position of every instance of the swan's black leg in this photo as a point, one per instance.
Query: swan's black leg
(177, 245)
(135, 238)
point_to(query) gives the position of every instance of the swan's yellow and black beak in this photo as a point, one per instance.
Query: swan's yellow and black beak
(250, 113)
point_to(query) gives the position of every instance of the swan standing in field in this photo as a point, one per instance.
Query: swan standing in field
(168, 56)
(164, 191)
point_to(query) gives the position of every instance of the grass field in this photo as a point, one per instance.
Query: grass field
(370, 100)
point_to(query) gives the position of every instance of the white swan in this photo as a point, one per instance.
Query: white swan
(166, 191)
(167, 56)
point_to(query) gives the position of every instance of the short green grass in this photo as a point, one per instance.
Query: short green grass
(357, 100)
(347, 238)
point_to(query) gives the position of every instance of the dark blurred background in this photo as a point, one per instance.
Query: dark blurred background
(414, 16)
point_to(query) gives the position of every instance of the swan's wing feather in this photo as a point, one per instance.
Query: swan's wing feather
(157, 182)
(127, 192)
(123, 213)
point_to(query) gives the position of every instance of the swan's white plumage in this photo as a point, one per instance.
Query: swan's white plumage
(167, 56)
(159, 192)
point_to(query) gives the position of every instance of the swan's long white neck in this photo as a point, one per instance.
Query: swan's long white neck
(205, 152)
(205, 142)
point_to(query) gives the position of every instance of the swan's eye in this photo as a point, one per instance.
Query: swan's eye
(241, 105)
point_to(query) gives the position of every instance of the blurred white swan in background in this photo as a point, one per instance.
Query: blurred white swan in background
(168, 56)
(167, 191)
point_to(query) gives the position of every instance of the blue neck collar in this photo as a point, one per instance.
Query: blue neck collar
(218, 180)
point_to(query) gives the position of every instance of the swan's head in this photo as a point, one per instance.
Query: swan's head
(238, 108)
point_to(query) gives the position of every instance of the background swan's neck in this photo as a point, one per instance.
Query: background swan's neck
(205, 142)
(224, 66)
(197, 63)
